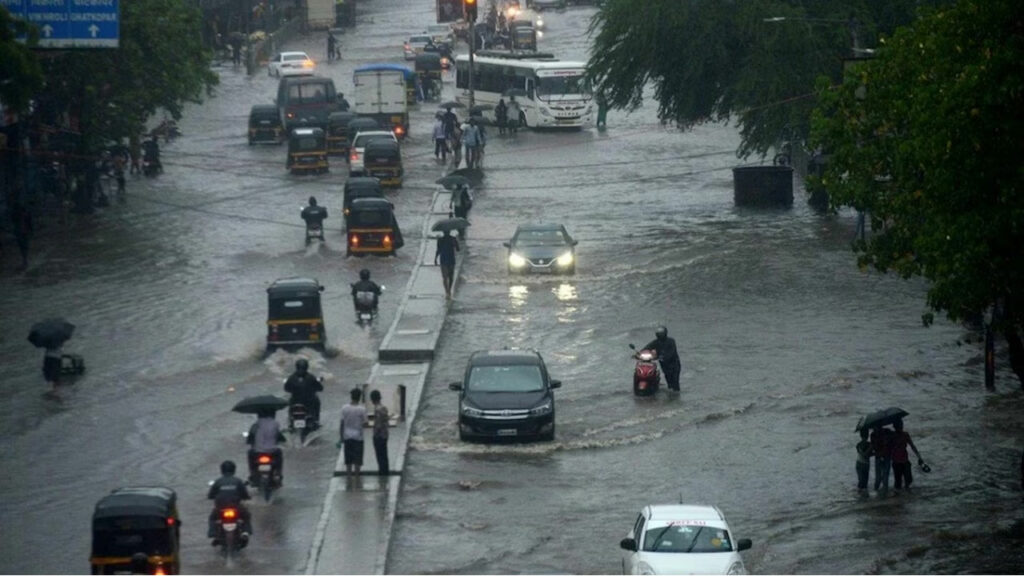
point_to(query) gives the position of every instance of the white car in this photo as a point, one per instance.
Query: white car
(358, 147)
(415, 45)
(682, 539)
(291, 64)
(441, 33)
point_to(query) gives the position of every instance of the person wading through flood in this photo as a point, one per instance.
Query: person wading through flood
(447, 246)
(901, 468)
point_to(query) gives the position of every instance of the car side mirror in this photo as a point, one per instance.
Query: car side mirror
(456, 386)
(506, 244)
(556, 384)
(743, 544)
(628, 544)
(631, 347)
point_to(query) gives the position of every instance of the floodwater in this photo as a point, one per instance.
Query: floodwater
(785, 343)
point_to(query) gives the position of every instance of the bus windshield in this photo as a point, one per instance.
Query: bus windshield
(572, 86)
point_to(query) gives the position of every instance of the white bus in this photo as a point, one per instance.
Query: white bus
(557, 94)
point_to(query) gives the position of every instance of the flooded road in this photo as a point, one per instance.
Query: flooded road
(784, 344)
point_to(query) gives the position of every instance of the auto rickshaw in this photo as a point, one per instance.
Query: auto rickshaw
(372, 228)
(337, 132)
(307, 150)
(294, 315)
(428, 71)
(265, 125)
(383, 159)
(524, 37)
(136, 520)
(360, 187)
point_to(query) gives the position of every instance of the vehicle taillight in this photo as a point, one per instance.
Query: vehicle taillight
(353, 240)
(354, 156)
(399, 130)
(387, 239)
(290, 115)
(170, 521)
(228, 513)
(264, 459)
(406, 45)
(160, 571)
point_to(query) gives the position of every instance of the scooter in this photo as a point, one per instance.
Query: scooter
(366, 307)
(314, 231)
(645, 375)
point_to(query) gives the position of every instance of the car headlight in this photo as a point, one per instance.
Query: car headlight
(737, 568)
(540, 22)
(544, 112)
(540, 34)
(516, 261)
(468, 410)
(565, 259)
(544, 408)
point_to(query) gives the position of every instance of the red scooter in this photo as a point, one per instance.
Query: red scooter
(646, 375)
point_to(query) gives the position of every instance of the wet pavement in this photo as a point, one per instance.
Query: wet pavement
(784, 344)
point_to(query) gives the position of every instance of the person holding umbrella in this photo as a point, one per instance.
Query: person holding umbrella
(264, 437)
(461, 201)
(51, 334)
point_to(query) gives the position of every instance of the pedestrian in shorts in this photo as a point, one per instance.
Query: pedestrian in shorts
(353, 418)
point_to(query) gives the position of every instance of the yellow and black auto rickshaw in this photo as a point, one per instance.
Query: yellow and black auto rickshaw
(382, 159)
(360, 187)
(294, 315)
(307, 150)
(265, 125)
(131, 521)
(428, 73)
(337, 132)
(372, 228)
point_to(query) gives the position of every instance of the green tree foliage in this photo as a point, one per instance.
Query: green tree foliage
(20, 74)
(710, 60)
(931, 148)
(159, 66)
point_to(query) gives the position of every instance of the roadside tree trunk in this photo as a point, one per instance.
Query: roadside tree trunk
(1016, 352)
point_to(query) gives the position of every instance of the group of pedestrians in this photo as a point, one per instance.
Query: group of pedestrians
(354, 417)
(509, 116)
(888, 446)
(450, 137)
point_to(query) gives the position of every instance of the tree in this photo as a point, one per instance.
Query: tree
(160, 65)
(709, 60)
(20, 73)
(928, 139)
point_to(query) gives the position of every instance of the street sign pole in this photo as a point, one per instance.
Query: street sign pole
(472, 51)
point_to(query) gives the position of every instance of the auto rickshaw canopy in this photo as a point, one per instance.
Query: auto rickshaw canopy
(307, 140)
(337, 122)
(135, 519)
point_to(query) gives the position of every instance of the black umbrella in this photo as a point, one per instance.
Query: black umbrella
(51, 333)
(515, 92)
(450, 224)
(474, 175)
(476, 110)
(881, 418)
(453, 181)
(451, 104)
(260, 404)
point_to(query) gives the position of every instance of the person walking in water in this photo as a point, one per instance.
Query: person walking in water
(447, 246)
(332, 44)
(901, 468)
(602, 110)
(864, 453)
(881, 444)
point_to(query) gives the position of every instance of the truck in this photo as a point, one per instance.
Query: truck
(381, 93)
(321, 14)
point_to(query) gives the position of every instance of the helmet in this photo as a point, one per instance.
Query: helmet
(364, 274)
(312, 200)
(661, 333)
(301, 365)
(227, 468)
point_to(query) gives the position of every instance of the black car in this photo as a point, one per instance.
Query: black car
(506, 394)
(541, 248)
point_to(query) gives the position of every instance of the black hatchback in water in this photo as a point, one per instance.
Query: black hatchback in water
(506, 394)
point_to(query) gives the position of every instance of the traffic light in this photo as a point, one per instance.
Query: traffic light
(469, 9)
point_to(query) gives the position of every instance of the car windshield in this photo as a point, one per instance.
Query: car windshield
(308, 93)
(291, 57)
(294, 309)
(362, 141)
(509, 378)
(540, 238)
(677, 537)
(548, 86)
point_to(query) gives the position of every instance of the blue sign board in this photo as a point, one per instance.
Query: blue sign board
(71, 23)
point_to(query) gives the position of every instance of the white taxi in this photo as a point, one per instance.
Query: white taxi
(682, 539)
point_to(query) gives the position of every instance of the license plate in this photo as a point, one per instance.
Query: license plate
(300, 424)
(364, 316)
(264, 468)
(507, 432)
(229, 526)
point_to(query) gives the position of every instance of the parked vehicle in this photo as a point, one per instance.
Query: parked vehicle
(382, 93)
(294, 315)
(265, 125)
(307, 151)
(682, 539)
(506, 394)
(136, 520)
(291, 64)
(646, 377)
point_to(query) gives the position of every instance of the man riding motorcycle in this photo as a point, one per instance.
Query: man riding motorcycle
(365, 285)
(303, 387)
(665, 349)
(264, 435)
(229, 491)
(314, 215)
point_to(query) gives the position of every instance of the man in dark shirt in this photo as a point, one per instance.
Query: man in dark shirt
(668, 356)
(365, 285)
(447, 246)
(314, 215)
(303, 387)
(229, 491)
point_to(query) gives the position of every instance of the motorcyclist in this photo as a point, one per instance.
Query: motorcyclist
(365, 285)
(314, 215)
(229, 491)
(343, 104)
(303, 387)
(264, 435)
(666, 353)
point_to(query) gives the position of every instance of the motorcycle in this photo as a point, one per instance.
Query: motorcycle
(151, 167)
(314, 231)
(268, 479)
(645, 375)
(229, 532)
(366, 307)
(302, 420)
